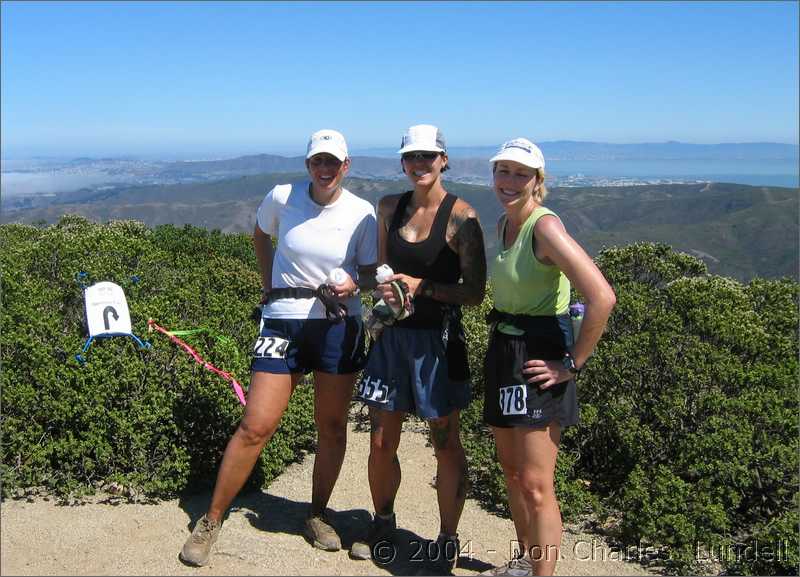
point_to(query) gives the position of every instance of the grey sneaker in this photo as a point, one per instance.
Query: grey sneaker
(197, 548)
(321, 533)
(380, 530)
(520, 567)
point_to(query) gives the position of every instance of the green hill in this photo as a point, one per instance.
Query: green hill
(737, 230)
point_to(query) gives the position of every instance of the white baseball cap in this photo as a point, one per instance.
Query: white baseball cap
(520, 150)
(329, 141)
(424, 137)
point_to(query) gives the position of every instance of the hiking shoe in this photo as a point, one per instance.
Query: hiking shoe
(447, 550)
(321, 533)
(520, 567)
(380, 531)
(197, 548)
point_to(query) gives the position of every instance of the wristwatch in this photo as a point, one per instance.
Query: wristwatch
(569, 363)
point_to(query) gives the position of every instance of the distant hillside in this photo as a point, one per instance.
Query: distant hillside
(738, 230)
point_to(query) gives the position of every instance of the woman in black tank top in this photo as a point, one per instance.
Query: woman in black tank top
(434, 244)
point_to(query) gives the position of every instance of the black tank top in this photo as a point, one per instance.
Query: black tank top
(431, 259)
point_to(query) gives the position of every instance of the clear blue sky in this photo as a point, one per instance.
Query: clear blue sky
(205, 78)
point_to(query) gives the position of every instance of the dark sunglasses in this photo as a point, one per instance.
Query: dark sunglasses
(419, 155)
(318, 161)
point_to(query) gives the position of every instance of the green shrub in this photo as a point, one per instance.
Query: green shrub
(689, 432)
(152, 420)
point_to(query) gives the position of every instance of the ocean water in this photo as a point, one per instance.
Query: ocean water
(753, 172)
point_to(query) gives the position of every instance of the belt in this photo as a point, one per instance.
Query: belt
(334, 310)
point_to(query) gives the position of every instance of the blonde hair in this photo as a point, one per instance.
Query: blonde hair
(540, 192)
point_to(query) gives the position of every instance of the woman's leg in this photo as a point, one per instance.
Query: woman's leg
(451, 471)
(332, 396)
(537, 450)
(505, 442)
(267, 399)
(383, 465)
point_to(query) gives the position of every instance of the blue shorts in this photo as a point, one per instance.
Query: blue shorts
(412, 370)
(304, 345)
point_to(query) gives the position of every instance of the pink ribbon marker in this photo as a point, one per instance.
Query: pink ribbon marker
(237, 388)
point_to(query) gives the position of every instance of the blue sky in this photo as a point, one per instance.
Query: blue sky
(206, 78)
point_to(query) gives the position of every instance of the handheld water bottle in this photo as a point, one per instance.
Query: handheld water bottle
(336, 276)
(383, 273)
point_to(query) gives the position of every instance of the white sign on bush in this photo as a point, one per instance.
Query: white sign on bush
(107, 310)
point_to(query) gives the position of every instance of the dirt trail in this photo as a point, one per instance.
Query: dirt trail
(263, 535)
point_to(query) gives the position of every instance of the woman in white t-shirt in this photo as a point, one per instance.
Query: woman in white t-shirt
(311, 322)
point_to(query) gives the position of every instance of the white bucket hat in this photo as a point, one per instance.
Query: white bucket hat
(520, 150)
(423, 137)
(329, 141)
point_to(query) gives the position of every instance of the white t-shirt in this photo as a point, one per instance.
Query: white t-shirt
(313, 240)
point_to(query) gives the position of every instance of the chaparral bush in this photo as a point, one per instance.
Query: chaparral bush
(151, 420)
(689, 417)
(688, 440)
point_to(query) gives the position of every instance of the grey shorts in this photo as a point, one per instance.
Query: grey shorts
(415, 371)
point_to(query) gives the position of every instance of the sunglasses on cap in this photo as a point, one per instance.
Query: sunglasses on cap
(421, 155)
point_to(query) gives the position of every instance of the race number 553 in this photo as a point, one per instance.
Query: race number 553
(373, 390)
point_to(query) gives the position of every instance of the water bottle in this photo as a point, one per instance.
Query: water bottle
(576, 316)
(336, 276)
(383, 273)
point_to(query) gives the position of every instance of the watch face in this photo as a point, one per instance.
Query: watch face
(569, 363)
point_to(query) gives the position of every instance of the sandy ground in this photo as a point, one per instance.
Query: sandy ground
(263, 534)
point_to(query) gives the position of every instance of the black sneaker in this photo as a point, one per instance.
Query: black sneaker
(380, 530)
(446, 554)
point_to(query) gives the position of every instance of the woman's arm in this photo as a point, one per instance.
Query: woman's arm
(472, 261)
(555, 246)
(262, 242)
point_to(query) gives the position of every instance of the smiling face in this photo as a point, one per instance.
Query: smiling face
(326, 172)
(423, 168)
(514, 183)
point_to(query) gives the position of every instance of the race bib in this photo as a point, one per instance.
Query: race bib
(270, 348)
(373, 390)
(514, 400)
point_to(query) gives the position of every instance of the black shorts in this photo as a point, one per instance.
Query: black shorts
(511, 402)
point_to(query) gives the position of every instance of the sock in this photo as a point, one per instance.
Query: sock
(385, 517)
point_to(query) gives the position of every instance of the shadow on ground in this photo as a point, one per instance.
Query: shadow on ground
(407, 553)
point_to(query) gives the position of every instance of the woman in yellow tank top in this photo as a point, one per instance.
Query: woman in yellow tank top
(533, 356)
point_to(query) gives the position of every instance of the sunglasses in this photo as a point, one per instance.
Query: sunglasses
(426, 156)
(319, 161)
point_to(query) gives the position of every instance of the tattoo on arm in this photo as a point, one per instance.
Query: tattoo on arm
(472, 258)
